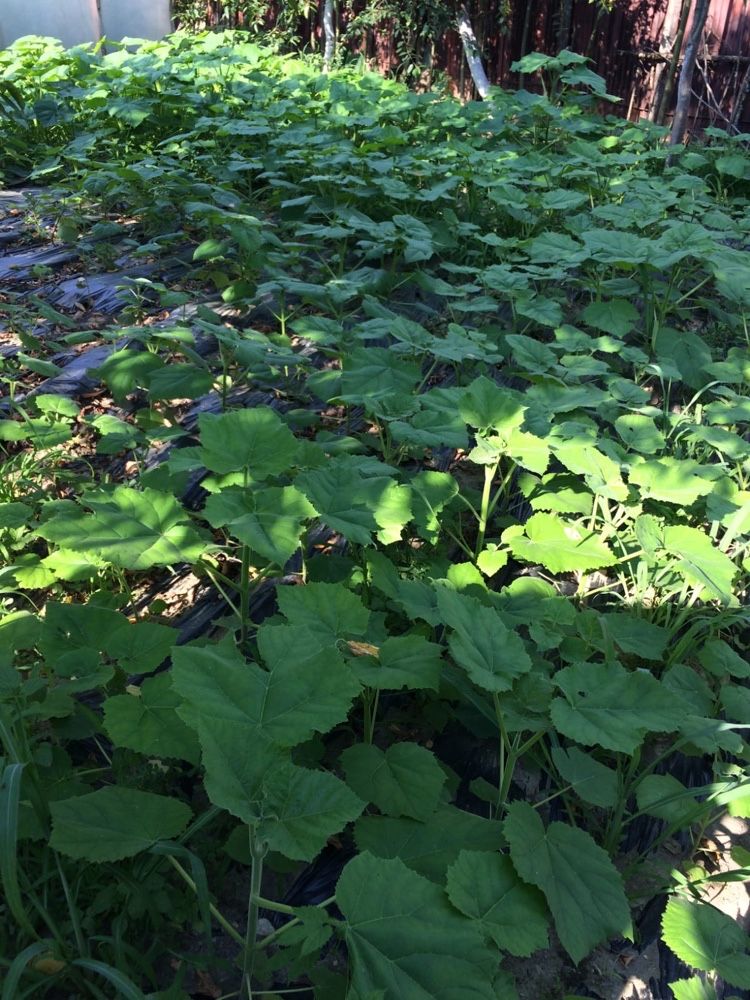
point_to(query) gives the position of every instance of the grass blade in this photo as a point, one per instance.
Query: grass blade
(10, 797)
(124, 986)
(19, 966)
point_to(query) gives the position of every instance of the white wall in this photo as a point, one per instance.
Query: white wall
(76, 21)
(72, 21)
(135, 18)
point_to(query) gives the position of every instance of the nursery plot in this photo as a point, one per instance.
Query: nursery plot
(374, 529)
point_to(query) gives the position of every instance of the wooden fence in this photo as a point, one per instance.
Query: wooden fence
(626, 46)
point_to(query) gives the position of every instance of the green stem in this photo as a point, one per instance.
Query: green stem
(484, 513)
(258, 851)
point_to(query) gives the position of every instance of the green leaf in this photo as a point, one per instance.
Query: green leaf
(672, 480)
(592, 781)
(560, 546)
(114, 823)
(693, 989)
(492, 654)
(583, 888)
(615, 316)
(14, 515)
(700, 561)
(606, 705)
(718, 658)
(486, 888)
(128, 528)
(640, 433)
(356, 504)
(179, 381)
(329, 610)
(286, 704)
(148, 722)
(431, 492)
(126, 370)
(405, 780)
(301, 809)
(404, 661)
(430, 847)
(635, 635)
(404, 939)
(600, 472)
(375, 373)
(140, 647)
(662, 795)
(257, 440)
(707, 939)
(270, 521)
(487, 406)
(688, 352)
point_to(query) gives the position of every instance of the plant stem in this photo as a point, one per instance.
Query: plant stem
(484, 513)
(257, 853)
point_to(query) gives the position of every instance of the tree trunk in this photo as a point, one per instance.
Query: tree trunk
(329, 31)
(525, 36)
(471, 51)
(685, 86)
(563, 28)
(668, 80)
(670, 35)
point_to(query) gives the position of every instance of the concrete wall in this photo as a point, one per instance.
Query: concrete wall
(76, 21)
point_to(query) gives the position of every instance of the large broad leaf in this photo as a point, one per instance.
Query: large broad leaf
(718, 658)
(356, 504)
(693, 989)
(707, 939)
(606, 705)
(404, 780)
(374, 373)
(700, 561)
(640, 433)
(404, 661)
(257, 440)
(600, 473)
(664, 796)
(583, 888)
(405, 941)
(615, 316)
(287, 704)
(560, 546)
(301, 809)
(133, 529)
(590, 779)
(329, 610)
(635, 635)
(114, 823)
(492, 654)
(486, 888)
(430, 847)
(148, 722)
(487, 406)
(671, 480)
(271, 521)
(431, 492)
(179, 381)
